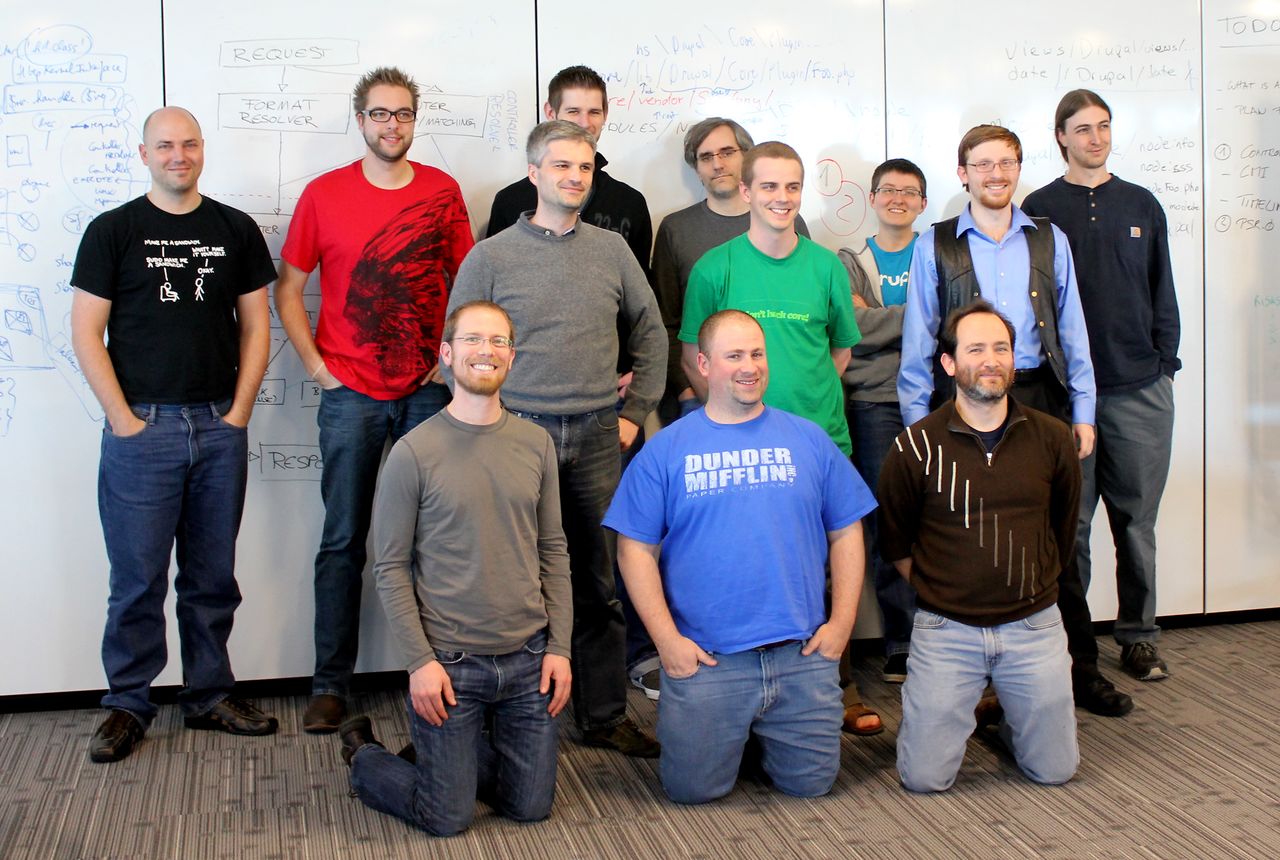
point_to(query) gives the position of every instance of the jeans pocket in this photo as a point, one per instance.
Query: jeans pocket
(138, 412)
(927, 620)
(606, 419)
(536, 644)
(1044, 619)
(450, 658)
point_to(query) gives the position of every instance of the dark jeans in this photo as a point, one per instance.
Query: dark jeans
(873, 427)
(1045, 393)
(182, 478)
(354, 429)
(499, 744)
(587, 452)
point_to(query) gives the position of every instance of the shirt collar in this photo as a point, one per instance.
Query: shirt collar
(1019, 221)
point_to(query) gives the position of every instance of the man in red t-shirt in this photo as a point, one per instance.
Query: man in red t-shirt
(388, 234)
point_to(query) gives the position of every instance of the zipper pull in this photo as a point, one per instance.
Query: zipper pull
(989, 458)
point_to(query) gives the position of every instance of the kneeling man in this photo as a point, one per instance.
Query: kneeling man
(725, 521)
(473, 574)
(978, 511)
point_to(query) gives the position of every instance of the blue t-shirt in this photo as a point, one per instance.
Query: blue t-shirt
(895, 271)
(742, 512)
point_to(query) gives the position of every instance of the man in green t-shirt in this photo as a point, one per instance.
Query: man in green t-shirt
(797, 291)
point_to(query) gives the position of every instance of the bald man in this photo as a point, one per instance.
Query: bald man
(178, 285)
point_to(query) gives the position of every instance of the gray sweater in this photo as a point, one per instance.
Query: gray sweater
(872, 374)
(564, 294)
(470, 553)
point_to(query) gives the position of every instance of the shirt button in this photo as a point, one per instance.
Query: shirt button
(1034, 294)
(1093, 217)
(1041, 323)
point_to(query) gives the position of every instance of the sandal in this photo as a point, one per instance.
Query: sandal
(861, 720)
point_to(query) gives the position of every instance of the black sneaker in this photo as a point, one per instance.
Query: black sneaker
(1096, 694)
(1142, 661)
(235, 717)
(650, 683)
(895, 668)
(116, 737)
(626, 737)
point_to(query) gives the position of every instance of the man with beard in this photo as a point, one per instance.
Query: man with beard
(472, 572)
(978, 507)
(1024, 268)
(1120, 240)
(389, 235)
(565, 284)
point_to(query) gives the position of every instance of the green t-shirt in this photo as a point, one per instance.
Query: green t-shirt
(803, 302)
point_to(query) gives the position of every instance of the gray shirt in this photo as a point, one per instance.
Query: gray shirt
(470, 551)
(564, 294)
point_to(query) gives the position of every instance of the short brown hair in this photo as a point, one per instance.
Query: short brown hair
(707, 330)
(981, 134)
(545, 133)
(451, 321)
(575, 78)
(389, 76)
(699, 131)
(1072, 103)
(947, 338)
(768, 149)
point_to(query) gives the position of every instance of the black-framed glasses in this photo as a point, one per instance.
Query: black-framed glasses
(723, 154)
(889, 191)
(986, 165)
(383, 114)
(498, 341)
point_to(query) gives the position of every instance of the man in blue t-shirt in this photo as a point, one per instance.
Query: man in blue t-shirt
(725, 522)
(879, 273)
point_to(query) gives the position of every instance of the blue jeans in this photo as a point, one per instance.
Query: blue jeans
(790, 702)
(588, 456)
(354, 429)
(1027, 663)
(180, 479)
(499, 744)
(873, 427)
(1128, 469)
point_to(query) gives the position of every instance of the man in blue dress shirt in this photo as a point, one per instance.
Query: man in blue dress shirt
(1023, 267)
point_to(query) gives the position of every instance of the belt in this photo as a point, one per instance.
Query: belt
(1032, 374)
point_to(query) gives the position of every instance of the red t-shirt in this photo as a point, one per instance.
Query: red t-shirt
(387, 261)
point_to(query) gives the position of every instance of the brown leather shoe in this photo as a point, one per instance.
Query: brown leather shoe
(324, 714)
(235, 717)
(116, 737)
(989, 712)
(626, 737)
(355, 733)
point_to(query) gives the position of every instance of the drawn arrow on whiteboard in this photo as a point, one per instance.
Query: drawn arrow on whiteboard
(282, 85)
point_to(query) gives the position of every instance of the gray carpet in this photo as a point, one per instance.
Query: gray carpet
(1194, 771)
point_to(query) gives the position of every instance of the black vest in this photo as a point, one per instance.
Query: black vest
(958, 286)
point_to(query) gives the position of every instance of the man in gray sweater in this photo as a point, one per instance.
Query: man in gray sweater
(565, 283)
(472, 572)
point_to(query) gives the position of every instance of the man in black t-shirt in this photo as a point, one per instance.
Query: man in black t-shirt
(178, 283)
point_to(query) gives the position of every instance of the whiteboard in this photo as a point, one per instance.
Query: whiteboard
(1242, 249)
(814, 81)
(74, 89)
(1143, 58)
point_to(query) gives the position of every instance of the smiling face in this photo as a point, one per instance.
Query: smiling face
(721, 175)
(983, 361)
(563, 178)
(390, 140)
(479, 369)
(173, 150)
(774, 194)
(1086, 136)
(895, 209)
(994, 189)
(735, 367)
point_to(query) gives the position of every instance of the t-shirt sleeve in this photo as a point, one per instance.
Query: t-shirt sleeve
(301, 246)
(259, 270)
(846, 498)
(97, 260)
(639, 506)
(699, 300)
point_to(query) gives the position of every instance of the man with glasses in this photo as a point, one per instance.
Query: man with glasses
(1120, 240)
(879, 273)
(566, 284)
(473, 575)
(1024, 268)
(389, 235)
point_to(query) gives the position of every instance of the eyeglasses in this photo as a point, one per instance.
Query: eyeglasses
(987, 166)
(889, 191)
(498, 341)
(725, 154)
(382, 114)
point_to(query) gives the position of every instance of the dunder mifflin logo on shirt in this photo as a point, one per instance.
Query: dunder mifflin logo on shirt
(730, 471)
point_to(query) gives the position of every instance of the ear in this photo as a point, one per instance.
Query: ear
(948, 364)
(533, 173)
(1062, 137)
(547, 110)
(142, 152)
(744, 191)
(446, 353)
(704, 365)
